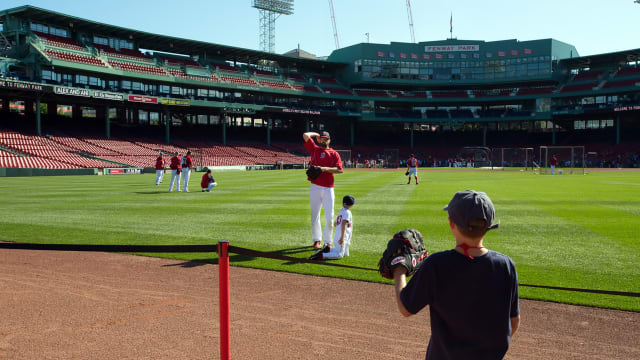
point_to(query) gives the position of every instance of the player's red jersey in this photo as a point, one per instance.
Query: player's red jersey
(206, 179)
(553, 161)
(412, 163)
(159, 163)
(175, 163)
(187, 162)
(325, 158)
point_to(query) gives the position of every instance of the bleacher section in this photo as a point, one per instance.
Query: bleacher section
(587, 76)
(448, 94)
(578, 87)
(621, 83)
(337, 91)
(138, 68)
(535, 91)
(372, 93)
(59, 41)
(72, 57)
(630, 71)
(125, 54)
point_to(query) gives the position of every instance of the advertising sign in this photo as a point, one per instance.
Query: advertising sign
(71, 91)
(175, 102)
(8, 84)
(122, 171)
(143, 99)
(451, 48)
(107, 95)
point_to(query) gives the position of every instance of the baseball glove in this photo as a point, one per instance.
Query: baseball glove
(406, 249)
(407, 173)
(313, 172)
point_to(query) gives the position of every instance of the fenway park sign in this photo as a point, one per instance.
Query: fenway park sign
(8, 84)
(451, 48)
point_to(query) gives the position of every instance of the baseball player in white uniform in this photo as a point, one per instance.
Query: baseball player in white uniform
(342, 236)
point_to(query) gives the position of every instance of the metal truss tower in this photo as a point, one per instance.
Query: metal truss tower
(333, 22)
(269, 11)
(410, 16)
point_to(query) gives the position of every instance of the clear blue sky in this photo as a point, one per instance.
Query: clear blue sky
(592, 26)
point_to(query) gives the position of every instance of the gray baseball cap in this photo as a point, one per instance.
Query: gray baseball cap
(470, 205)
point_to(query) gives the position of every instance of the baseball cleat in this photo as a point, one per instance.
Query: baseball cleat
(317, 244)
(316, 255)
(326, 248)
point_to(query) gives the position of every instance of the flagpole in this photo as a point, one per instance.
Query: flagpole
(451, 26)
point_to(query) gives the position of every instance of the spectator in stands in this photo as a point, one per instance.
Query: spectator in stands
(175, 172)
(207, 183)
(186, 170)
(160, 169)
(553, 163)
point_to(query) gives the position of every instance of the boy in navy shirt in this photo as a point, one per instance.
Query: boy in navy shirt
(472, 292)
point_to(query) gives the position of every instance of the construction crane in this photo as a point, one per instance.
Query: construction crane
(410, 16)
(333, 21)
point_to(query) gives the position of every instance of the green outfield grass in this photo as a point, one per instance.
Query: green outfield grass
(578, 231)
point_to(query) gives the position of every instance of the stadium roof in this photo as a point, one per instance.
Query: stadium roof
(165, 43)
(619, 57)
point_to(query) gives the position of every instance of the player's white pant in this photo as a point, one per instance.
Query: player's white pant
(413, 171)
(320, 196)
(337, 251)
(211, 186)
(186, 173)
(159, 176)
(553, 169)
(174, 178)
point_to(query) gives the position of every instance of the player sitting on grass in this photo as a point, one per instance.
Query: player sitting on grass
(342, 237)
(207, 183)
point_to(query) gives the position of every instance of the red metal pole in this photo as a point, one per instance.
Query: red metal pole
(225, 324)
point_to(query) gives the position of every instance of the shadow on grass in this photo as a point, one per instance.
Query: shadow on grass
(208, 261)
(150, 192)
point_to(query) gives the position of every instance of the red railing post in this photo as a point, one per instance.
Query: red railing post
(225, 323)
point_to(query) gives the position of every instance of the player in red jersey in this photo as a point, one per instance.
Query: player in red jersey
(175, 172)
(207, 183)
(186, 164)
(321, 191)
(553, 162)
(159, 169)
(412, 168)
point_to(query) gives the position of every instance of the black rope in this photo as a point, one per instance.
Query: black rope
(241, 251)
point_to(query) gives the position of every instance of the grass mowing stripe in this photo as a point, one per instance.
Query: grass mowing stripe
(571, 231)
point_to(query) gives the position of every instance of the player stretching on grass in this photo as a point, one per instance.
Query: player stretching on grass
(342, 238)
(321, 192)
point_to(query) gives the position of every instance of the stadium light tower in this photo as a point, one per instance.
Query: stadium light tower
(410, 16)
(269, 11)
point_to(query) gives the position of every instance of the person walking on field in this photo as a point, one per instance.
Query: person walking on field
(553, 163)
(321, 194)
(175, 172)
(472, 292)
(160, 163)
(412, 168)
(186, 170)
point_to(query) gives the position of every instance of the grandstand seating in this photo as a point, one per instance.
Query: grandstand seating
(326, 80)
(622, 83)
(461, 114)
(183, 75)
(138, 68)
(494, 92)
(449, 94)
(372, 93)
(578, 87)
(405, 94)
(535, 91)
(227, 68)
(59, 41)
(126, 54)
(629, 71)
(337, 91)
(587, 75)
(180, 61)
(296, 77)
(238, 80)
(72, 57)
(275, 84)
